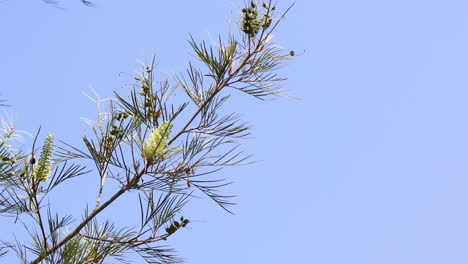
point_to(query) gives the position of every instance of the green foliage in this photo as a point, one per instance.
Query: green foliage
(164, 150)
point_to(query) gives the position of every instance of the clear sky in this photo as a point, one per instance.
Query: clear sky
(369, 166)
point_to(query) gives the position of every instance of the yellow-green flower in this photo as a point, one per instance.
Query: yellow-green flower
(44, 165)
(156, 144)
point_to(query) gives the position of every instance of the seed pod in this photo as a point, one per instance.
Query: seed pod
(267, 21)
(115, 131)
(118, 116)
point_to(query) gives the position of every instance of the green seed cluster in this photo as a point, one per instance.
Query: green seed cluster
(252, 21)
(120, 116)
(150, 98)
(116, 133)
(155, 146)
(44, 165)
(176, 225)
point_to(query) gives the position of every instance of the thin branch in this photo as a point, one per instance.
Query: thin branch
(101, 186)
(41, 224)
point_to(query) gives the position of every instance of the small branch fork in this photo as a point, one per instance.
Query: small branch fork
(101, 186)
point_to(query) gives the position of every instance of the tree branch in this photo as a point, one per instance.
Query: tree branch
(91, 216)
(220, 86)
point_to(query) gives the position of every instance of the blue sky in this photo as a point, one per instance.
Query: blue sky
(368, 166)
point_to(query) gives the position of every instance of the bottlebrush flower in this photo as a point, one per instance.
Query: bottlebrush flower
(156, 144)
(44, 165)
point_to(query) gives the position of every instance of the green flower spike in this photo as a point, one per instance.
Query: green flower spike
(155, 146)
(44, 165)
